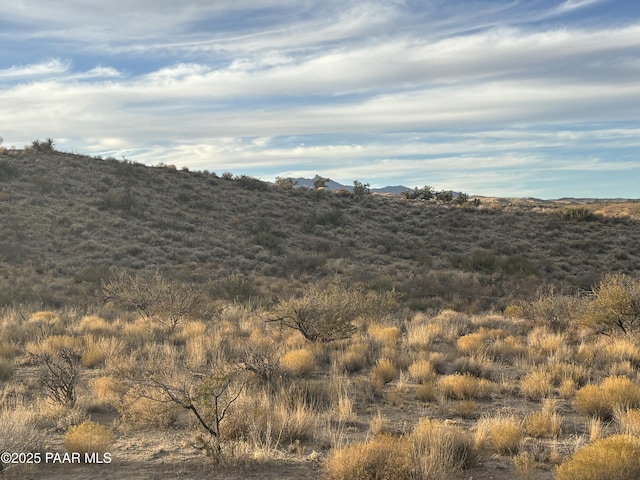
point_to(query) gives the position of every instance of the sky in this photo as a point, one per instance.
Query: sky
(521, 98)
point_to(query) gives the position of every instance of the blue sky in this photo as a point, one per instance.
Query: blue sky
(507, 98)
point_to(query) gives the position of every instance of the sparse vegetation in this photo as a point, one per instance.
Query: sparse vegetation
(302, 333)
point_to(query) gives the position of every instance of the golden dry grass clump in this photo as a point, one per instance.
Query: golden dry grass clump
(602, 400)
(612, 458)
(384, 335)
(422, 371)
(629, 420)
(545, 422)
(88, 437)
(465, 387)
(504, 433)
(354, 358)
(384, 371)
(298, 363)
(432, 450)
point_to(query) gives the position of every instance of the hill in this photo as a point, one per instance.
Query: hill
(70, 220)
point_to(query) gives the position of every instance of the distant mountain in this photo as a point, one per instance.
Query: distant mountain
(332, 185)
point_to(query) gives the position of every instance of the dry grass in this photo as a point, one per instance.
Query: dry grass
(384, 371)
(503, 432)
(544, 423)
(286, 244)
(19, 431)
(384, 335)
(354, 358)
(472, 343)
(422, 371)
(432, 450)
(383, 456)
(465, 387)
(6, 369)
(603, 400)
(88, 437)
(298, 363)
(613, 458)
(536, 384)
(628, 420)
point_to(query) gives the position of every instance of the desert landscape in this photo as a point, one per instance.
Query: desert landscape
(157, 322)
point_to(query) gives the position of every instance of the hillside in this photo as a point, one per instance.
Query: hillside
(255, 331)
(69, 220)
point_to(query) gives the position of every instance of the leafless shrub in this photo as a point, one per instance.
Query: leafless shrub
(153, 296)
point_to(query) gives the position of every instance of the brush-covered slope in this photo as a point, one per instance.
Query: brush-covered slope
(66, 221)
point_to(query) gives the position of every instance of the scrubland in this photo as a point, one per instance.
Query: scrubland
(193, 325)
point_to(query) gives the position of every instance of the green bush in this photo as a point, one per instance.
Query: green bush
(615, 304)
(578, 214)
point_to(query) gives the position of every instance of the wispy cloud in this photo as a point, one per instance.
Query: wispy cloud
(386, 87)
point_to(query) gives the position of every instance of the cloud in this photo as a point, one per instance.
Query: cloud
(391, 86)
(24, 72)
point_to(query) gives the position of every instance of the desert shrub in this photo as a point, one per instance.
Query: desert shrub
(629, 420)
(107, 390)
(88, 437)
(154, 296)
(18, 431)
(8, 350)
(620, 350)
(45, 323)
(327, 314)
(93, 356)
(615, 304)
(96, 325)
(384, 371)
(59, 374)
(291, 423)
(613, 458)
(578, 214)
(47, 145)
(332, 217)
(554, 311)
(142, 413)
(298, 363)
(476, 261)
(286, 183)
(7, 170)
(602, 401)
(477, 366)
(6, 369)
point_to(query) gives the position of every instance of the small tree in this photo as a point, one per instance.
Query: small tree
(207, 394)
(286, 183)
(59, 374)
(47, 145)
(615, 304)
(320, 182)
(425, 193)
(360, 190)
(444, 196)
